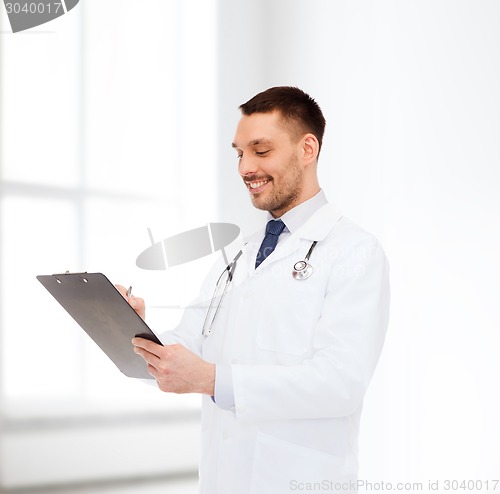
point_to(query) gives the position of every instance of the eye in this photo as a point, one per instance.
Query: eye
(240, 156)
(261, 153)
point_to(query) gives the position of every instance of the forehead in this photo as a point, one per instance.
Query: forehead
(260, 128)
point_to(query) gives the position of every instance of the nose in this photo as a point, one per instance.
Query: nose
(247, 166)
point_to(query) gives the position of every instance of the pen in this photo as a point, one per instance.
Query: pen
(129, 291)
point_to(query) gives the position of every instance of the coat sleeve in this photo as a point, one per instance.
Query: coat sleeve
(346, 345)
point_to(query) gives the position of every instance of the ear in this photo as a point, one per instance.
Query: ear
(310, 149)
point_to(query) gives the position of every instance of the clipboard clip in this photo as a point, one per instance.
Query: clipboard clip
(55, 275)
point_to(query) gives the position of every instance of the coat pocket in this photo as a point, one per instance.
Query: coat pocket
(289, 312)
(282, 467)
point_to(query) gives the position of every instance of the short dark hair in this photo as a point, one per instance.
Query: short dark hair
(294, 105)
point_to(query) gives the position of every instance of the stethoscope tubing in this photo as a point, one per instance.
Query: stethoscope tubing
(301, 271)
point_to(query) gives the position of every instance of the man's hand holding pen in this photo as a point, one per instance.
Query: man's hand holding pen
(136, 303)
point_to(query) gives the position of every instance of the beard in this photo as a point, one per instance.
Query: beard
(284, 195)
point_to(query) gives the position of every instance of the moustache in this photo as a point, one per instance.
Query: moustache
(256, 178)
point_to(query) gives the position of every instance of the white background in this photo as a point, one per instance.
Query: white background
(144, 116)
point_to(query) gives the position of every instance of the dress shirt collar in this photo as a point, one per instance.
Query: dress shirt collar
(298, 215)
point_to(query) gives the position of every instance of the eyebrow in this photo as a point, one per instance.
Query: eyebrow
(255, 142)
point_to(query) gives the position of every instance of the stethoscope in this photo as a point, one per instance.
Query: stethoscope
(301, 271)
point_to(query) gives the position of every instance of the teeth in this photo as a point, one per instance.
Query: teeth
(255, 185)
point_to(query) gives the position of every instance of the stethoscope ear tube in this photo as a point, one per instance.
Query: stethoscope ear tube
(302, 269)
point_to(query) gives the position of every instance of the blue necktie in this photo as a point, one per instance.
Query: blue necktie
(273, 231)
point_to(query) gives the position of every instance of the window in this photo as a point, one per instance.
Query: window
(101, 139)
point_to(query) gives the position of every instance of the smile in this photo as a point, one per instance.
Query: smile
(256, 186)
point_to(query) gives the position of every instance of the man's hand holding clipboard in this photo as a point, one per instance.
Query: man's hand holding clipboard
(175, 368)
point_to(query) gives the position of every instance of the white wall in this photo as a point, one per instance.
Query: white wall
(410, 94)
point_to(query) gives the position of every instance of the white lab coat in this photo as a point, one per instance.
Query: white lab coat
(302, 354)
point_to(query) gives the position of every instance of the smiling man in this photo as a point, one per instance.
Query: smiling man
(279, 166)
(284, 365)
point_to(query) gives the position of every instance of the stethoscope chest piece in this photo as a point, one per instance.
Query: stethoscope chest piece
(302, 270)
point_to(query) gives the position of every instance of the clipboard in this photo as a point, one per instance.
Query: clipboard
(102, 312)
